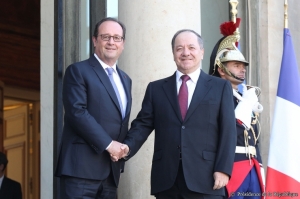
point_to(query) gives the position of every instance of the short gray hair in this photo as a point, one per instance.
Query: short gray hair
(200, 41)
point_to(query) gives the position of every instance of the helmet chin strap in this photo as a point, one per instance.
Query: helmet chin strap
(231, 74)
(235, 77)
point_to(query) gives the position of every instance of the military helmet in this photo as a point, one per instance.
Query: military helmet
(232, 55)
(225, 49)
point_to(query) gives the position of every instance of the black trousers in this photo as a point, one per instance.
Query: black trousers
(180, 190)
(79, 188)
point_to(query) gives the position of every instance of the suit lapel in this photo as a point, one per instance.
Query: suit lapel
(201, 90)
(104, 79)
(170, 88)
(126, 84)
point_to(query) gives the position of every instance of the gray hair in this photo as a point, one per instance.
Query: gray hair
(200, 41)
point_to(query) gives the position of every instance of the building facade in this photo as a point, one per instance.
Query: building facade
(66, 25)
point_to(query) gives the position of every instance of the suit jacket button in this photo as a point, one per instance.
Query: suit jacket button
(183, 127)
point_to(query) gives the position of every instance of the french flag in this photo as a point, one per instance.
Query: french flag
(283, 171)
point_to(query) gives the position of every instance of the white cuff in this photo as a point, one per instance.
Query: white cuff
(109, 145)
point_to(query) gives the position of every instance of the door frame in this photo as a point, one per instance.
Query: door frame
(32, 98)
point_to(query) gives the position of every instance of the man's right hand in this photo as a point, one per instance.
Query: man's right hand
(117, 150)
(249, 95)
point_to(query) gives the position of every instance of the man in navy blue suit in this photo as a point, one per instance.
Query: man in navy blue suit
(97, 103)
(193, 118)
(9, 189)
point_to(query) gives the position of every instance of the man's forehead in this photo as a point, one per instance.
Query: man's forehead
(109, 25)
(186, 34)
(186, 38)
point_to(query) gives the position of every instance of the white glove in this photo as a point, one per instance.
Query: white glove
(243, 111)
(249, 95)
(257, 108)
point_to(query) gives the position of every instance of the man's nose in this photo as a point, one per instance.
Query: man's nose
(186, 51)
(111, 40)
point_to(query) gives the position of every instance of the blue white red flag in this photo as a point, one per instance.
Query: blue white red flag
(283, 171)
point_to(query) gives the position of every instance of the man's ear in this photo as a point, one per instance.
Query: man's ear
(221, 71)
(94, 41)
(202, 53)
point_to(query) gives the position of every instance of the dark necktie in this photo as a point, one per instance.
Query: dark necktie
(183, 96)
(110, 75)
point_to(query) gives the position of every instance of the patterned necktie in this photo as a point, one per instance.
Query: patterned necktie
(110, 75)
(183, 96)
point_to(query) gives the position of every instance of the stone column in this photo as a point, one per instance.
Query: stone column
(147, 56)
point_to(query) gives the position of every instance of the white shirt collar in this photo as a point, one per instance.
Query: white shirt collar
(104, 65)
(1, 181)
(194, 75)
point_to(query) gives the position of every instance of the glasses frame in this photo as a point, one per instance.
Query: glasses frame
(109, 36)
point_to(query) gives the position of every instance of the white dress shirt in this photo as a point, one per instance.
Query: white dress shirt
(191, 83)
(1, 180)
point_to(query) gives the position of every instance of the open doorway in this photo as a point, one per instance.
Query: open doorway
(21, 143)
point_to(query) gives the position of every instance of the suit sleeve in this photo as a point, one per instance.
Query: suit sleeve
(75, 104)
(227, 132)
(142, 126)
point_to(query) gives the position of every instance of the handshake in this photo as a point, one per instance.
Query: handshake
(117, 151)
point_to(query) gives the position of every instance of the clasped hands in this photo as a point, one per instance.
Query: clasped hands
(117, 151)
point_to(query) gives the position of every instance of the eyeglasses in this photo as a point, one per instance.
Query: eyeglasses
(116, 38)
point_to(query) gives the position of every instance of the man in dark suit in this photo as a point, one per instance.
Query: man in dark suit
(9, 189)
(97, 103)
(193, 118)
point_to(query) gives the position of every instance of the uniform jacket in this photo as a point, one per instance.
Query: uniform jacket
(251, 137)
(92, 120)
(243, 163)
(206, 138)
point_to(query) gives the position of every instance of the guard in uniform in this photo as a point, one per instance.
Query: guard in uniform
(227, 62)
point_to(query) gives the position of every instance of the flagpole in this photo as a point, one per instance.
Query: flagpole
(285, 14)
(233, 11)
